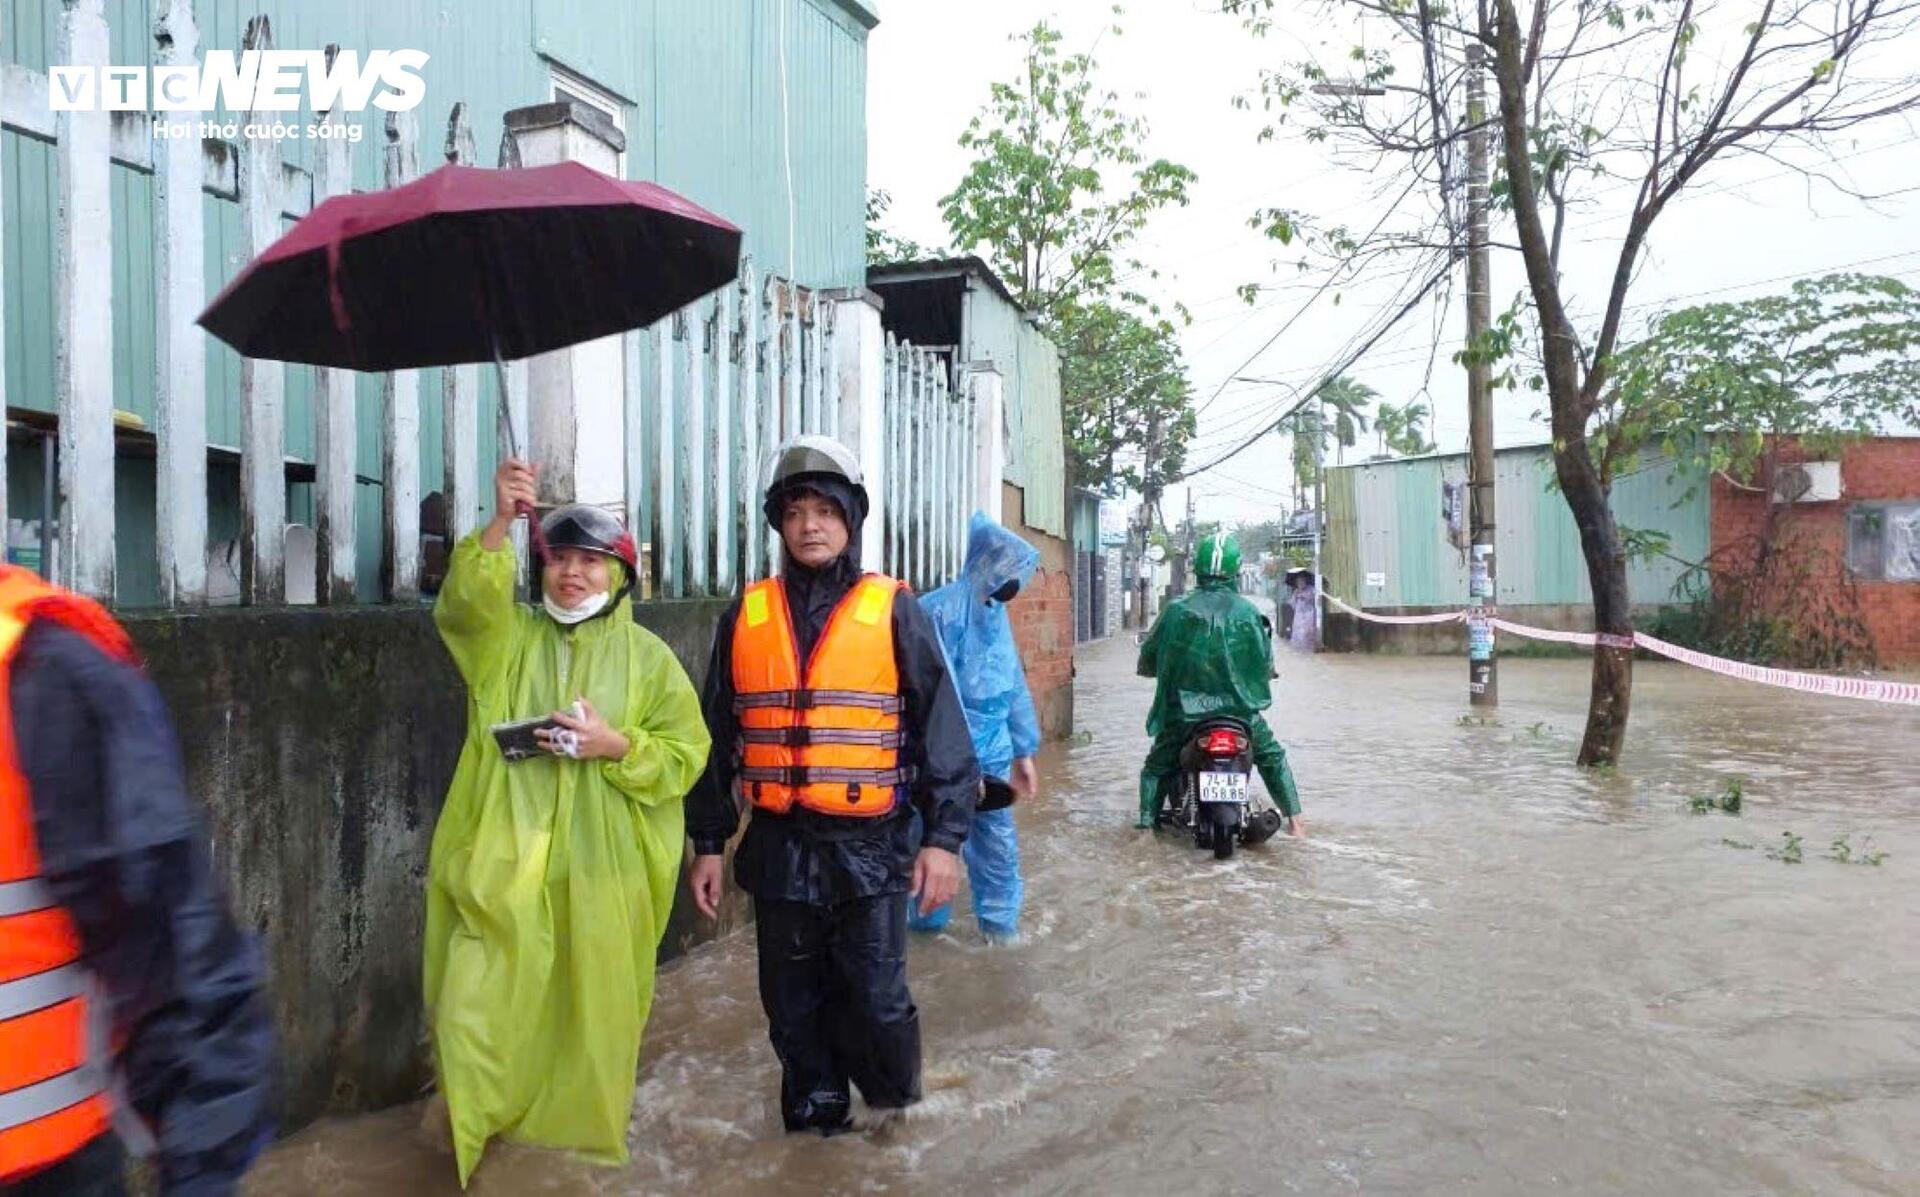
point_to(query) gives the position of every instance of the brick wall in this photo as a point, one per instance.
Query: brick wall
(1887, 468)
(1043, 621)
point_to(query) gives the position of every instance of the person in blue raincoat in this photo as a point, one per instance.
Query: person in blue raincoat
(970, 616)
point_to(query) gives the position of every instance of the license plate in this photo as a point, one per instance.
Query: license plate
(1223, 787)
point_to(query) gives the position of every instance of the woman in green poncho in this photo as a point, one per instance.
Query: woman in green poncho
(552, 877)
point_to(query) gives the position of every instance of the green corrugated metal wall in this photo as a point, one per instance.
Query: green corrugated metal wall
(1385, 520)
(999, 332)
(704, 117)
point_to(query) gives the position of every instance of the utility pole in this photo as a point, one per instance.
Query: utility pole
(1186, 556)
(1319, 508)
(1482, 677)
(1149, 503)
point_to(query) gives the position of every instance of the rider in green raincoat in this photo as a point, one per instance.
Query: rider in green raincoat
(1212, 653)
(552, 877)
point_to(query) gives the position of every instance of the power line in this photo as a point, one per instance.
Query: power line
(1326, 377)
(1415, 352)
(1318, 292)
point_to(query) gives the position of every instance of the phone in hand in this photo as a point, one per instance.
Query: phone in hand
(517, 740)
(520, 741)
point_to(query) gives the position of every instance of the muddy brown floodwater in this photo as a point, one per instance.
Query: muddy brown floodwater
(1484, 973)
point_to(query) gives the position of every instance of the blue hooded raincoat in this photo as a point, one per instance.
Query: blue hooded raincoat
(978, 639)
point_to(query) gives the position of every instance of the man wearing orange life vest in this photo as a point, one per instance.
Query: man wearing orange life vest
(834, 718)
(127, 995)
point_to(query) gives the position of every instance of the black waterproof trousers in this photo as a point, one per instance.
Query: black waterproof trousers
(833, 980)
(96, 1170)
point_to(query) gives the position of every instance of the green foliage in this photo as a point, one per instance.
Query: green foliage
(884, 247)
(1791, 850)
(1400, 431)
(1346, 401)
(1775, 598)
(1835, 359)
(1126, 386)
(1259, 538)
(1057, 193)
(1842, 851)
(1059, 187)
(1729, 801)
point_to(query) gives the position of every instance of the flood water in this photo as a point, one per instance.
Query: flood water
(1485, 972)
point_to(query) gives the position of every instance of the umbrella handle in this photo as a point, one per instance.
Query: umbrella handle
(524, 510)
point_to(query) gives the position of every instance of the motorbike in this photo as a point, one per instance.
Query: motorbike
(1212, 792)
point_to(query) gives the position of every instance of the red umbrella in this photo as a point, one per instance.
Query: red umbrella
(469, 265)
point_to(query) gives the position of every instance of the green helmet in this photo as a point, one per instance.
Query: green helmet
(1217, 556)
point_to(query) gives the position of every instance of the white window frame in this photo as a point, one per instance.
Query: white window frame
(1885, 508)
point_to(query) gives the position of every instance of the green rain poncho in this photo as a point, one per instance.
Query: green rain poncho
(551, 879)
(1212, 654)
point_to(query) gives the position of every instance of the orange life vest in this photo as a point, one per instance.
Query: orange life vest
(53, 1044)
(827, 740)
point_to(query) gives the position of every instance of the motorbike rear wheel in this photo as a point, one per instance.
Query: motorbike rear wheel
(1224, 835)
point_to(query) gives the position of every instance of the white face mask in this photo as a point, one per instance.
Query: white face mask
(569, 616)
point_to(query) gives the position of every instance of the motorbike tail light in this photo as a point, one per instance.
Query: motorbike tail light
(1224, 742)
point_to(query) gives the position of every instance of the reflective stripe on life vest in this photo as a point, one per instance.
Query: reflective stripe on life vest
(828, 738)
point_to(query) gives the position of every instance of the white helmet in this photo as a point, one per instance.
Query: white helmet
(813, 458)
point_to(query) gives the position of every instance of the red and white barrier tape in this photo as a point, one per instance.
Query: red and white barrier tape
(1865, 689)
(1443, 617)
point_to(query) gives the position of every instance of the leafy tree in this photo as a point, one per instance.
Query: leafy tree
(1132, 415)
(1734, 390)
(1058, 189)
(1057, 193)
(1611, 109)
(884, 247)
(1718, 386)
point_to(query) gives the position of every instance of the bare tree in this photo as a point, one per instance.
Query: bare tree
(1612, 108)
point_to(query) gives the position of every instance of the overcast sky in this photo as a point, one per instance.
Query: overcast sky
(1747, 230)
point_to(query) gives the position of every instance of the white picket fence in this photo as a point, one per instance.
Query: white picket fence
(931, 463)
(757, 364)
(709, 392)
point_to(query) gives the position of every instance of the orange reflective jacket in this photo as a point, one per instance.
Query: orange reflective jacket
(53, 1045)
(829, 741)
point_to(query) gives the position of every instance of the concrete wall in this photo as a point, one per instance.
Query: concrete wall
(1043, 621)
(322, 744)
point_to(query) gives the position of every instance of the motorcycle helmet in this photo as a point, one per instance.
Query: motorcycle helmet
(592, 530)
(1217, 556)
(817, 463)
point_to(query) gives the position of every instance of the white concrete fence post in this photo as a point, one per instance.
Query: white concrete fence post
(400, 444)
(83, 336)
(860, 419)
(336, 445)
(990, 447)
(180, 346)
(263, 395)
(577, 435)
(460, 393)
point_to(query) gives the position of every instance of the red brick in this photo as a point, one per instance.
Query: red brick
(1887, 468)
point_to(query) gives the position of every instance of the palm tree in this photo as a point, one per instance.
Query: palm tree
(1399, 429)
(1390, 423)
(1347, 398)
(1413, 442)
